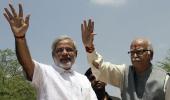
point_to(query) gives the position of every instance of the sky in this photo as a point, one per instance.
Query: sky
(117, 23)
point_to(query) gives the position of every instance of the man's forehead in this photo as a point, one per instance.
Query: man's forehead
(139, 44)
(65, 42)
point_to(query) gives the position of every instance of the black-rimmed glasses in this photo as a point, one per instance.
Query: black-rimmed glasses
(138, 52)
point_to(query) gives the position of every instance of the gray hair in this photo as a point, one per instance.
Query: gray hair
(147, 41)
(150, 47)
(60, 38)
(149, 44)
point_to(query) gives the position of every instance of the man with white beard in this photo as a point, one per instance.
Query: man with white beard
(52, 82)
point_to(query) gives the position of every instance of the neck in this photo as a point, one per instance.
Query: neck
(142, 68)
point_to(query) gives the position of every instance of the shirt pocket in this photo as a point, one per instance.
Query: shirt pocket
(85, 92)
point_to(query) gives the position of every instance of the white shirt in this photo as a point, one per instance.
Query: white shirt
(55, 83)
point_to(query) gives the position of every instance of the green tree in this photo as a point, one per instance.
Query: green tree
(165, 64)
(13, 85)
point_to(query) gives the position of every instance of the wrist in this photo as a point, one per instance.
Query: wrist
(20, 37)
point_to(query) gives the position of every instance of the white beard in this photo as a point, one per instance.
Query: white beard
(65, 66)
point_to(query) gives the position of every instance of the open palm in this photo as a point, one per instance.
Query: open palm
(87, 33)
(18, 24)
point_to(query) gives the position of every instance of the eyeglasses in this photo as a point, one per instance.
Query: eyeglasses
(60, 50)
(138, 52)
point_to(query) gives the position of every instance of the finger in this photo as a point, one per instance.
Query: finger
(8, 13)
(92, 26)
(94, 33)
(27, 18)
(85, 25)
(89, 24)
(95, 64)
(13, 10)
(7, 18)
(20, 11)
(82, 30)
(21, 21)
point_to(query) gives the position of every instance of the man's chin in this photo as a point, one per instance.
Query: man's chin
(66, 66)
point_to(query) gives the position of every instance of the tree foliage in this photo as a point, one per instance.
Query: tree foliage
(13, 85)
(165, 64)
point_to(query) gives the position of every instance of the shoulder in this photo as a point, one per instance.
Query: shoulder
(115, 67)
(112, 97)
(81, 77)
(159, 70)
(41, 65)
(41, 68)
(81, 80)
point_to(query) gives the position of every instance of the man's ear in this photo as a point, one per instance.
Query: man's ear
(76, 52)
(151, 54)
(52, 53)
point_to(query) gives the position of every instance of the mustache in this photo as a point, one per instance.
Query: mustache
(68, 59)
(136, 59)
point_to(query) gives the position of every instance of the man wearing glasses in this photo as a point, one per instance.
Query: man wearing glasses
(139, 81)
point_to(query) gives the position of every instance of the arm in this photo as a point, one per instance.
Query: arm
(104, 71)
(19, 27)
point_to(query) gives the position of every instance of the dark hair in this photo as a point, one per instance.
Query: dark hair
(88, 72)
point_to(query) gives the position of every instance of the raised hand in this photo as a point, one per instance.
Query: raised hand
(87, 33)
(18, 24)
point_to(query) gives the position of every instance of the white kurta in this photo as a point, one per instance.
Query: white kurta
(55, 83)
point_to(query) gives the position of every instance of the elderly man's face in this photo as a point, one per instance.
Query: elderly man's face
(65, 54)
(140, 55)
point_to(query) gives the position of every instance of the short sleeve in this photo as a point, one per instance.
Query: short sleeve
(37, 75)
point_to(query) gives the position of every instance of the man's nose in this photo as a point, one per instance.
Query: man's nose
(135, 55)
(65, 51)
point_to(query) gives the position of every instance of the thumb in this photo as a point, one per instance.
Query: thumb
(95, 64)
